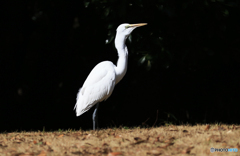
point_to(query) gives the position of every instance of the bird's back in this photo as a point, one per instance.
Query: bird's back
(98, 86)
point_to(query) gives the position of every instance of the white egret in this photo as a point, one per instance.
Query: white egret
(102, 79)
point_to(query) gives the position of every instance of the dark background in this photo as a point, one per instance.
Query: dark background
(184, 64)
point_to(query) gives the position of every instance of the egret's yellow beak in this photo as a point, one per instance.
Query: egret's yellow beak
(137, 25)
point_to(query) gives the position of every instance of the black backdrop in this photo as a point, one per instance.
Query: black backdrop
(190, 73)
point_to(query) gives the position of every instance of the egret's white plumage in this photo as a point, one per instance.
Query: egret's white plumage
(97, 87)
(102, 79)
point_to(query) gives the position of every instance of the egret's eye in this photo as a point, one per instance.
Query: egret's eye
(127, 26)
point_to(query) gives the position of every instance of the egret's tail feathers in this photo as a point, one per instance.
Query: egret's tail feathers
(79, 113)
(81, 108)
(81, 105)
(78, 108)
(76, 105)
(84, 103)
(78, 94)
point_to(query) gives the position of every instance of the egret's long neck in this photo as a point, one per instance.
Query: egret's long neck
(121, 67)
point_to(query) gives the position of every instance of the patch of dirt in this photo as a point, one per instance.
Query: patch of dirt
(165, 140)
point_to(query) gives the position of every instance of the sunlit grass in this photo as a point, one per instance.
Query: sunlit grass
(164, 140)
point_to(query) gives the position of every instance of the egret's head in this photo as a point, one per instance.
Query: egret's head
(126, 29)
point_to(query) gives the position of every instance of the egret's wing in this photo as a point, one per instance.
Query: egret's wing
(97, 87)
(98, 72)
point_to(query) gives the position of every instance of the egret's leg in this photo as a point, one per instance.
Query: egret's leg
(95, 117)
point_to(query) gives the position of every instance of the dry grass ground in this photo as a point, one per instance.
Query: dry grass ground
(165, 140)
